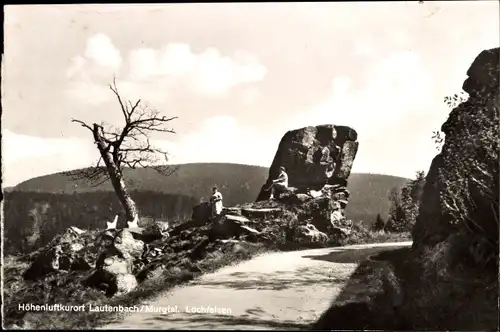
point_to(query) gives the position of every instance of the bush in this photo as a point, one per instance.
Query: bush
(405, 204)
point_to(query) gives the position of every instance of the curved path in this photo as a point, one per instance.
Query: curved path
(285, 290)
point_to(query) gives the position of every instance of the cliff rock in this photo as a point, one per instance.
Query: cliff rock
(461, 191)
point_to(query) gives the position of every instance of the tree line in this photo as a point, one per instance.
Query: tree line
(33, 219)
(405, 202)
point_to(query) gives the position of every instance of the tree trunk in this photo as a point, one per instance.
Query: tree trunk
(115, 175)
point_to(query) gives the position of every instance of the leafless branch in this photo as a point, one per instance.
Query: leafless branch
(96, 175)
(122, 106)
(130, 145)
(83, 124)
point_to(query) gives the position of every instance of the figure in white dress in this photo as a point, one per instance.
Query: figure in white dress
(216, 202)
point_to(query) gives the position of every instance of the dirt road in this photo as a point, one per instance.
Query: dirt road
(272, 291)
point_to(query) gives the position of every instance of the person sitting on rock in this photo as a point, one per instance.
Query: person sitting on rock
(280, 184)
(216, 202)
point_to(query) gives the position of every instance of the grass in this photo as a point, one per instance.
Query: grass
(362, 235)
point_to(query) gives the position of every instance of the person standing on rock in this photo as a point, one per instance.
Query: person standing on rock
(280, 184)
(216, 202)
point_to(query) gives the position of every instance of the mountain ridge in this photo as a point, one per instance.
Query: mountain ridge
(239, 184)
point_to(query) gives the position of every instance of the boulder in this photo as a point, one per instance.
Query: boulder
(69, 251)
(234, 219)
(110, 258)
(127, 246)
(115, 266)
(76, 230)
(313, 157)
(231, 210)
(156, 230)
(125, 283)
(302, 198)
(326, 214)
(201, 214)
(45, 263)
(318, 161)
(309, 234)
(261, 213)
(249, 230)
(227, 226)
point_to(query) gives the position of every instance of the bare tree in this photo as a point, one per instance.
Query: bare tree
(129, 146)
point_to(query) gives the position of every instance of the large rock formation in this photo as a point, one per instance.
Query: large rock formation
(461, 191)
(318, 161)
(314, 156)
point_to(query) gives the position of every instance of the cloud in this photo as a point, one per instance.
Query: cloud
(88, 92)
(392, 105)
(153, 74)
(89, 74)
(340, 85)
(389, 108)
(208, 72)
(390, 89)
(76, 66)
(223, 139)
(364, 47)
(26, 156)
(101, 50)
(100, 58)
(250, 95)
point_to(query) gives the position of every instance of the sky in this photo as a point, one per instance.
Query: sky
(238, 77)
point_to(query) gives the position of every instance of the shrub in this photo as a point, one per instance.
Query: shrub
(405, 204)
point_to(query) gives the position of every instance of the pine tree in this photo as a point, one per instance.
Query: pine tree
(379, 223)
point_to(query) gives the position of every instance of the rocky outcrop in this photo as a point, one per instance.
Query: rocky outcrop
(318, 161)
(461, 190)
(313, 157)
(69, 251)
(111, 258)
(115, 266)
(201, 214)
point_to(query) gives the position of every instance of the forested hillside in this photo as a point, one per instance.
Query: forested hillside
(370, 196)
(238, 183)
(33, 219)
(38, 208)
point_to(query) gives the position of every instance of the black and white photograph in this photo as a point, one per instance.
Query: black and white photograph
(251, 166)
